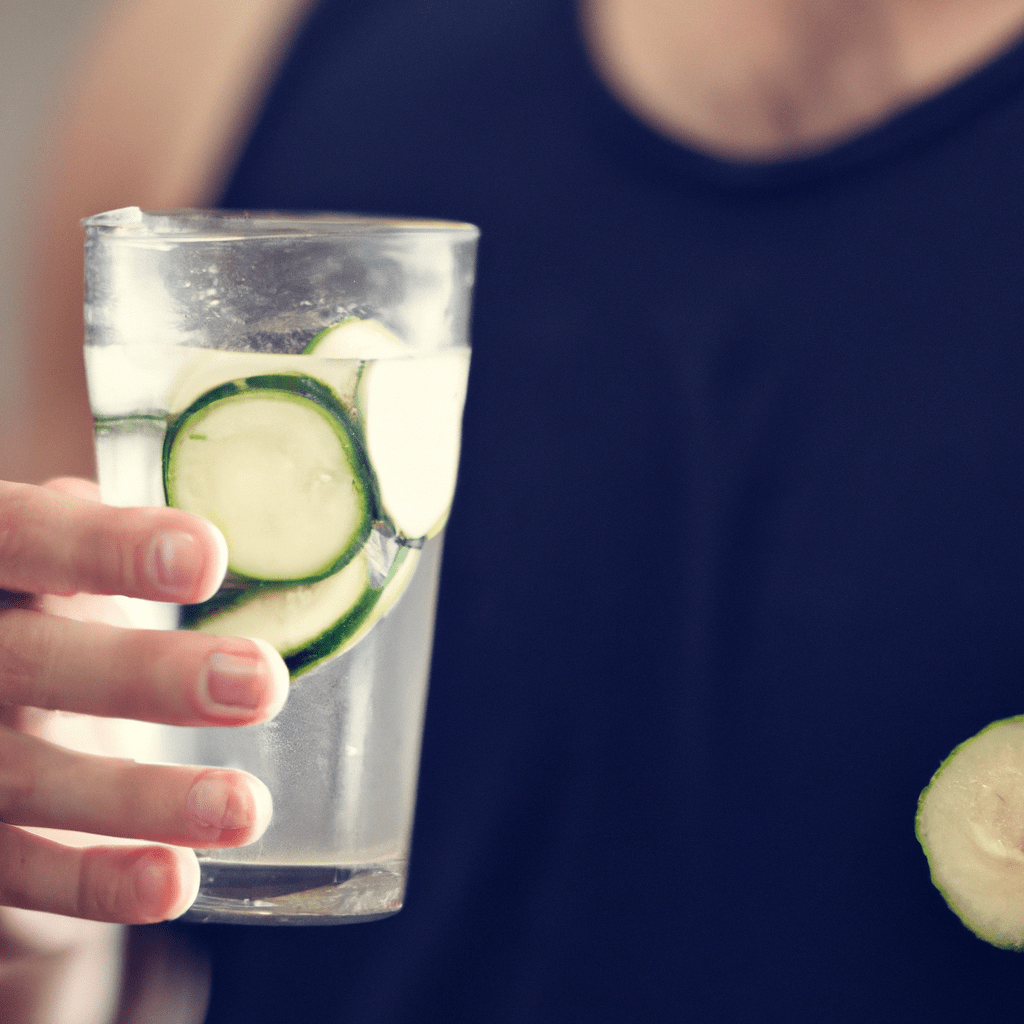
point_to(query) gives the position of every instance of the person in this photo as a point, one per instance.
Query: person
(735, 558)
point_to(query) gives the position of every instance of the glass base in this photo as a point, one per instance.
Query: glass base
(295, 895)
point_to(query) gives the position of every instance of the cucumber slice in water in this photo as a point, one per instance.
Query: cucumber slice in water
(357, 339)
(210, 368)
(411, 412)
(308, 623)
(274, 462)
(412, 420)
(401, 573)
(970, 823)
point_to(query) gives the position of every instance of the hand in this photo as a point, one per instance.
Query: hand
(66, 776)
(61, 651)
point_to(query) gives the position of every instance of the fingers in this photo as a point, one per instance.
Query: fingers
(123, 884)
(55, 539)
(178, 678)
(44, 785)
(60, 540)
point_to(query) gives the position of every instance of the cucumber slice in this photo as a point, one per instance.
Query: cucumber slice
(274, 462)
(308, 623)
(401, 574)
(357, 339)
(209, 368)
(970, 823)
(412, 420)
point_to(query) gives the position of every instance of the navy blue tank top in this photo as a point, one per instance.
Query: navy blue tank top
(737, 553)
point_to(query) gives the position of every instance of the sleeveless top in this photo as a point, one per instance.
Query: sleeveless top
(737, 552)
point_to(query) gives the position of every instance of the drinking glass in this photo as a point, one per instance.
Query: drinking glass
(299, 381)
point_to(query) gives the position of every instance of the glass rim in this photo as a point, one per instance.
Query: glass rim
(227, 225)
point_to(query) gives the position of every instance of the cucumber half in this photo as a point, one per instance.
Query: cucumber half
(274, 462)
(308, 623)
(411, 411)
(970, 823)
(355, 338)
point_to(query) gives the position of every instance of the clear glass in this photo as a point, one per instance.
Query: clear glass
(187, 311)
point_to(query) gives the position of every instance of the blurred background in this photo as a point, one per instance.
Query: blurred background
(38, 39)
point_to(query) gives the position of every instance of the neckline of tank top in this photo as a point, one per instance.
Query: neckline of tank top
(917, 126)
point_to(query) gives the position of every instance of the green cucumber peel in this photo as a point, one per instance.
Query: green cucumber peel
(341, 627)
(318, 338)
(107, 422)
(356, 338)
(205, 487)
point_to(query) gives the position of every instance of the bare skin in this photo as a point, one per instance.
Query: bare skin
(159, 126)
(153, 115)
(62, 649)
(769, 79)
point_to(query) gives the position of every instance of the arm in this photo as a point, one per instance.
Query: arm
(153, 116)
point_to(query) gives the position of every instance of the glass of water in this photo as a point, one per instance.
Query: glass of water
(298, 380)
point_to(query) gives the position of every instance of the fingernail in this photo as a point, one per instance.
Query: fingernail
(238, 683)
(166, 883)
(214, 803)
(220, 566)
(151, 881)
(173, 562)
(280, 679)
(234, 682)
